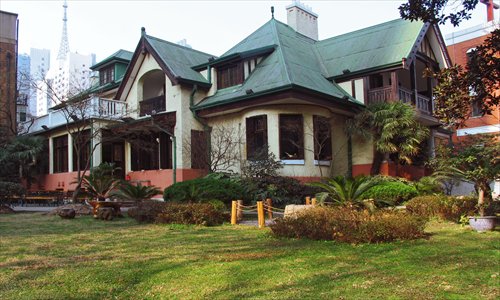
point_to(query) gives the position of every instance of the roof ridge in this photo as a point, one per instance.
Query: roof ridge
(179, 46)
(243, 40)
(280, 49)
(361, 30)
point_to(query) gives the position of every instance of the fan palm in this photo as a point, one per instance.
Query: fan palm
(344, 190)
(130, 192)
(100, 187)
(25, 151)
(394, 130)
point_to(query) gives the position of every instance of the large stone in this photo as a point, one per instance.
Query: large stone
(291, 210)
(106, 213)
(67, 213)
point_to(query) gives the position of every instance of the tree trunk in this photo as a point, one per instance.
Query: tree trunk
(485, 199)
(378, 158)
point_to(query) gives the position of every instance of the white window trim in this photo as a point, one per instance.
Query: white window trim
(292, 162)
(322, 162)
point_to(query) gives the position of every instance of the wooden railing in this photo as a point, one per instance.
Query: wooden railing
(152, 106)
(384, 94)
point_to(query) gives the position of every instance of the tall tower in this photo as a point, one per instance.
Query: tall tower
(64, 47)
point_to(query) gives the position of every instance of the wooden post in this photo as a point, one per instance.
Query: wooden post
(260, 214)
(233, 212)
(313, 201)
(308, 200)
(269, 203)
(239, 210)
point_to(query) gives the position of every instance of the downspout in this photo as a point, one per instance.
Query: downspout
(206, 128)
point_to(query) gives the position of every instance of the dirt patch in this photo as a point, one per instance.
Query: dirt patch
(80, 209)
(6, 210)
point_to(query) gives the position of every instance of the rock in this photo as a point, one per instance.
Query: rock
(291, 210)
(105, 213)
(6, 210)
(67, 213)
(80, 209)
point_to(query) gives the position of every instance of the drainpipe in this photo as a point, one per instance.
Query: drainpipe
(206, 128)
(174, 142)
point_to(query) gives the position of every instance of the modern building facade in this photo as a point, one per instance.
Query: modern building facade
(279, 90)
(23, 88)
(39, 66)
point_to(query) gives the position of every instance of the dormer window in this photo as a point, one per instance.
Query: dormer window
(230, 75)
(107, 75)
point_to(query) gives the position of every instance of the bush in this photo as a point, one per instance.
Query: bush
(393, 192)
(147, 211)
(444, 207)
(192, 213)
(348, 225)
(282, 190)
(203, 190)
(9, 189)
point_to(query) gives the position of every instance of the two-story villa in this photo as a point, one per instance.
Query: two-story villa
(280, 88)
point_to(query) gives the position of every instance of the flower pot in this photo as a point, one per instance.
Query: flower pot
(481, 224)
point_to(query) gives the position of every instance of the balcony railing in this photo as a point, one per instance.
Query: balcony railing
(383, 94)
(89, 108)
(152, 105)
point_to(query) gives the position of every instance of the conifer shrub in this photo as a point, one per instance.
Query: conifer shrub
(394, 192)
(346, 224)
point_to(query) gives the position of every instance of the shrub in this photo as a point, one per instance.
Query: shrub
(138, 193)
(203, 190)
(393, 192)
(283, 190)
(192, 213)
(147, 211)
(9, 189)
(348, 225)
(444, 207)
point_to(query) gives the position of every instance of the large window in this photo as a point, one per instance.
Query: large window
(81, 143)
(60, 154)
(291, 137)
(256, 134)
(151, 151)
(199, 151)
(322, 138)
(230, 75)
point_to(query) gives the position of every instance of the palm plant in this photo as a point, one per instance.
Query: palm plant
(394, 130)
(138, 193)
(100, 183)
(345, 190)
(25, 151)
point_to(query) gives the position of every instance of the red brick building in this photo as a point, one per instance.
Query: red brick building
(8, 78)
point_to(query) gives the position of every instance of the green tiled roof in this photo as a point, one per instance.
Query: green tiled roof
(180, 59)
(293, 63)
(120, 55)
(299, 61)
(369, 48)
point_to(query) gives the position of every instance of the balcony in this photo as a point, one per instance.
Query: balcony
(384, 94)
(90, 108)
(152, 106)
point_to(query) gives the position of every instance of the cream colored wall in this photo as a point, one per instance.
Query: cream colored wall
(135, 92)
(362, 151)
(308, 167)
(359, 88)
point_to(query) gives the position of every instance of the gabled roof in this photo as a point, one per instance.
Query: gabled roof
(119, 56)
(175, 60)
(376, 47)
(179, 59)
(293, 64)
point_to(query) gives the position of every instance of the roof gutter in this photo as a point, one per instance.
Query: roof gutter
(365, 71)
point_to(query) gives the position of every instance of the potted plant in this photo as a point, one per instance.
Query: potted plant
(476, 160)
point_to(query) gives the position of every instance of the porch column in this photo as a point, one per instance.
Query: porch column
(97, 155)
(128, 158)
(70, 153)
(394, 86)
(51, 155)
(429, 92)
(413, 80)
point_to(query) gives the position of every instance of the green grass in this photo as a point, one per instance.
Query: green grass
(44, 257)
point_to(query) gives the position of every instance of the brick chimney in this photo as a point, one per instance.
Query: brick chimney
(301, 18)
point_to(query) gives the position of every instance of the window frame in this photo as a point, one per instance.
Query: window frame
(60, 154)
(226, 79)
(318, 122)
(253, 133)
(299, 129)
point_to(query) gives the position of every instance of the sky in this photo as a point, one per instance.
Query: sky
(103, 27)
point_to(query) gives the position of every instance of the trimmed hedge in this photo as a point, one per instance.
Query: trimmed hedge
(204, 190)
(444, 207)
(394, 192)
(348, 225)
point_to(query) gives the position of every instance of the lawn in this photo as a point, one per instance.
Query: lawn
(44, 257)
